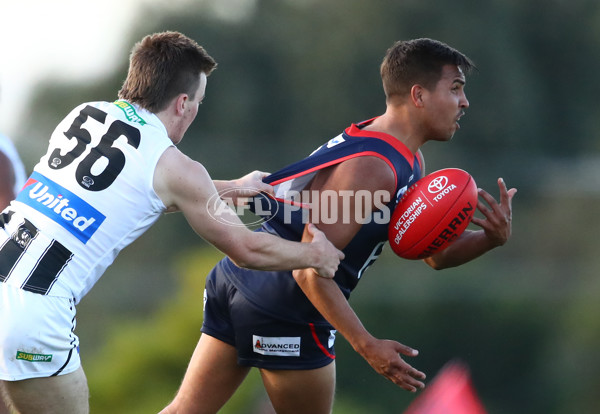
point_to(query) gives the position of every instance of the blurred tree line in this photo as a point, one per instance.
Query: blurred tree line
(294, 73)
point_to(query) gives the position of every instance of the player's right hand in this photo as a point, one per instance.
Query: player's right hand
(498, 216)
(384, 357)
(329, 256)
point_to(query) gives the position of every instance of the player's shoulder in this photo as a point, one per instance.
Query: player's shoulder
(173, 159)
(367, 172)
(366, 164)
(175, 165)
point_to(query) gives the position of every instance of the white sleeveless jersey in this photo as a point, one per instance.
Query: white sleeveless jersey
(88, 197)
(8, 148)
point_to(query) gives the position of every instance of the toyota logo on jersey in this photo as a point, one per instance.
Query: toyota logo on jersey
(59, 204)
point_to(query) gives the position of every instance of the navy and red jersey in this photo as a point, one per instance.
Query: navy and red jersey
(287, 217)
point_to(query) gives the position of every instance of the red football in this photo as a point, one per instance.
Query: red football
(432, 213)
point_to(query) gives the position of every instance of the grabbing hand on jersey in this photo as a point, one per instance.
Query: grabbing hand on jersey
(251, 184)
(318, 239)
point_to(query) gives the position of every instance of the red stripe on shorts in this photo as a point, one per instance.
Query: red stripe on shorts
(319, 344)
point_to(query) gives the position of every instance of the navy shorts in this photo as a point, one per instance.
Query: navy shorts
(263, 339)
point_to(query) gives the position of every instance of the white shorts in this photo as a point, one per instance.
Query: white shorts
(37, 336)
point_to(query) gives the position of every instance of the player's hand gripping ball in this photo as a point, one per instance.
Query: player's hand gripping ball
(432, 213)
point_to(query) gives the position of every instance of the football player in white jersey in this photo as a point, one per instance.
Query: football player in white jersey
(110, 171)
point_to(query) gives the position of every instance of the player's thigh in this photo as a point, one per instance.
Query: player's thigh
(211, 378)
(301, 391)
(62, 394)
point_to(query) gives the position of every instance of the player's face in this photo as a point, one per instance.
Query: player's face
(446, 104)
(191, 108)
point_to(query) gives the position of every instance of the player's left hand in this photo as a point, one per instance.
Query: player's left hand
(251, 184)
(497, 223)
(385, 357)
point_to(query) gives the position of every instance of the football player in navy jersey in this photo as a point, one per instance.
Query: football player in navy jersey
(111, 170)
(285, 323)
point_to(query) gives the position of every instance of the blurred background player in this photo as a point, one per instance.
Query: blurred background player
(12, 172)
(285, 324)
(12, 179)
(111, 170)
(450, 392)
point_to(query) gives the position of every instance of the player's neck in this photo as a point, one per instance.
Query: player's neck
(396, 123)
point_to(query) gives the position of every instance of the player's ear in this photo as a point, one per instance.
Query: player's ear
(416, 95)
(180, 102)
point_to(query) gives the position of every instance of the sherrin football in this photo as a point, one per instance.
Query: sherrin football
(432, 213)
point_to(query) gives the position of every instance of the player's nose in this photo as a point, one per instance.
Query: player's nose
(464, 102)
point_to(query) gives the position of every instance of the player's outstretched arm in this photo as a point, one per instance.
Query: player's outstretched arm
(496, 229)
(185, 185)
(384, 356)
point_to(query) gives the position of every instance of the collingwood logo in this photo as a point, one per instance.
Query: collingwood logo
(281, 346)
(65, 208)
